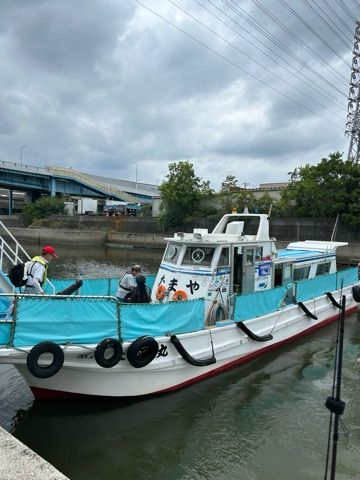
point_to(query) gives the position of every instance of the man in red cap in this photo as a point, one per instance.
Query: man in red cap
(37, 271)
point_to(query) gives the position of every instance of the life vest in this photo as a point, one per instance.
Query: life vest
(39, 259)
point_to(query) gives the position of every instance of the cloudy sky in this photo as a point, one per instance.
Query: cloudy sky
(250, 88)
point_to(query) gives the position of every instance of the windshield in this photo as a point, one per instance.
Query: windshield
(198, 256)
(172, 253)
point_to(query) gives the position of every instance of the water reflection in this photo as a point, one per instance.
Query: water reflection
(98, 261)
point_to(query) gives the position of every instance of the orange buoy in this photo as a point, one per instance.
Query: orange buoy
(160, 292)
(179, 296)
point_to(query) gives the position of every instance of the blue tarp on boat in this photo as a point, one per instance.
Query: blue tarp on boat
(89, 320)
(161, 318)
(250, 305)
(307, 289)
(347, 277)
(60, 320)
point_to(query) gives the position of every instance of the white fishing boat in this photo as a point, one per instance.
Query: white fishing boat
(219, 299)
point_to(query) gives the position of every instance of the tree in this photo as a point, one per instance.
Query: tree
(181, 194)
(352, 217)
(146, 210)
(229, 185)
(228, 194)
(42, 208)
(244, 199)
(263, 203)
(323, 190)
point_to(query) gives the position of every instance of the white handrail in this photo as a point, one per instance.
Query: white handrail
(11, 255)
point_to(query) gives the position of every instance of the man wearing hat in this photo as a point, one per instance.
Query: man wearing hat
(139, 294)
(126, 283)
(37, 271)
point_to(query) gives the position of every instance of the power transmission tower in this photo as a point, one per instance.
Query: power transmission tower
(353, 117)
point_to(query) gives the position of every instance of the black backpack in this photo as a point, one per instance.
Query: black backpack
(16, 275)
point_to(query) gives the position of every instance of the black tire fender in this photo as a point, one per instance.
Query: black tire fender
(142, 351)
(32, 360)
(356, 293)
(101, 349)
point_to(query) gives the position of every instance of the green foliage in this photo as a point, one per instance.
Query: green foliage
(352, 217)
(181, 194)
(324, 190)
(264, 202)
(229, 193)
(210, 212)
(42, 208)
(245, 199)
(229, 185)
(285, 207)
(146, 210)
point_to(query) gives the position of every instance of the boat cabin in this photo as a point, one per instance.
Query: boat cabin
(237, 257)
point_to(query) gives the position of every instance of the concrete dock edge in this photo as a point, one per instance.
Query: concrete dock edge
(18, 462)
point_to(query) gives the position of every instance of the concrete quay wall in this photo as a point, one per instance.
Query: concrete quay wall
(144, 240)
(42, 236)
(59, 236)
(285, 230)
(18, 462)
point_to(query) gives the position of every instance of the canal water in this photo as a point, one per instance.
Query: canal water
(265, 420)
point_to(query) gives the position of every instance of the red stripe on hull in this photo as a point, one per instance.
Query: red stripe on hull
(45, 394)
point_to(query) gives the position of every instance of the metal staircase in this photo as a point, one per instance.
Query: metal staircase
(103, 187)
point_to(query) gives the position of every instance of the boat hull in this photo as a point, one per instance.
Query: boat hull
(81, 375)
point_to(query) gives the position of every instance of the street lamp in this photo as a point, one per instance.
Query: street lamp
(21, 149)
(136, 177)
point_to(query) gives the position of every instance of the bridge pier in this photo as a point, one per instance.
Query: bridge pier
(10, 201)
(53, 187)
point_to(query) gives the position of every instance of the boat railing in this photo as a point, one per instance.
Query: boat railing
(14, 254)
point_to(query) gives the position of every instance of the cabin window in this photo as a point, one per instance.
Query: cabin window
(198, 255)
(258, 253)
(249, 258)
(224, 260)
(301, 273)
(172, 253)
(288, 271)
(323, 268)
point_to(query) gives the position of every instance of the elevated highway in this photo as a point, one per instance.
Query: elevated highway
(36, 181)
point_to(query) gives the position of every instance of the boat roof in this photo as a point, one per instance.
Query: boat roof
(294, 255)
(309, 250)
(316, 246)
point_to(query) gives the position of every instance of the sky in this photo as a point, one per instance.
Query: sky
(250, 88)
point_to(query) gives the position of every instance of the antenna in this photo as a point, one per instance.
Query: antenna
(335, 229)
